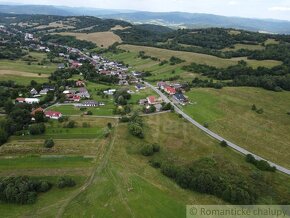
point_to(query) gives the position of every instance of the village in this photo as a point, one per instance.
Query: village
(81, 97)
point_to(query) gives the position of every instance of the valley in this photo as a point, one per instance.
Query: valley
(82, 105)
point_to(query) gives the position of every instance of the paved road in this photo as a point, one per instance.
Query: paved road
(214, 135)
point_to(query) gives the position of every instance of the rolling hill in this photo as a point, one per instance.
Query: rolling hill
(171, 19)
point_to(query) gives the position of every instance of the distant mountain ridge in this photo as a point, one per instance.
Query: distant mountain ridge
(171, 19)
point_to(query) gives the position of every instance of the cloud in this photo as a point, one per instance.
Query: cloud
(279, 8)
(233, 2)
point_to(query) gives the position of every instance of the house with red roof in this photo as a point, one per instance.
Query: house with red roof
(53, 114)
(151, 100)
(76, 64)
(20, 100)
(169, 90)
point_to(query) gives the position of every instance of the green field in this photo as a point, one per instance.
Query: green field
(122, 183)
(228, 112)
(22, 73)
(167, 71)
(190, 57)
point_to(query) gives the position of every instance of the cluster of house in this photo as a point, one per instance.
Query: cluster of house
(174, 90)
(152, 101)
(45, 89)
(73, 95)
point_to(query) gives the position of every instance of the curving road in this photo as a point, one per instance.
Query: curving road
(212, 134)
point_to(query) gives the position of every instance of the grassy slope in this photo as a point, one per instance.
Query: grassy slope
(22, 73)
(102, 39)
(127, 186)
(228, 112)
(190, 57)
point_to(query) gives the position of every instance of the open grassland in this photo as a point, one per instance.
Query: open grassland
(228, 112)
(122, 183)
(190, 57)
(271, 41)
(22, 66)
(85, 128)
(102, 39)
(244, 46)
(22, 73)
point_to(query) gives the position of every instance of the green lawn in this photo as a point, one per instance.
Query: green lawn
(228, 112)
(22, 66)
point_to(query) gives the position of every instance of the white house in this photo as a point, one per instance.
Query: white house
(110, 92)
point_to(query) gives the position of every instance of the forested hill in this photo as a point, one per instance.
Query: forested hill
(55, 23)
(171, 19)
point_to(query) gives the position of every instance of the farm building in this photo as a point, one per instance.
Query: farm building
(90, 104)
(53, 114)
(27, 100)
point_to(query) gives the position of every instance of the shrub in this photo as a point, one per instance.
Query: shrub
(36, 129)
(21, 190)
(223, 143)
(89, 113)
(169, 170)
(147, 150)
(260, 111)
(155, 162)
(260, 164)
(156, 147)
(124, 119)
(65, 182)
(3, 136)
(254, 108)
(206, 125)
(48, 143)
(71, 124)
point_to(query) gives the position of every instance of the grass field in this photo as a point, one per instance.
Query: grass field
(244, 46)
(22, 73)
(123, 183)
(228, 112)
(128, 185)
(190, 57)
(102, 39)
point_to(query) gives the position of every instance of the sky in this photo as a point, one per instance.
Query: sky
(275, 9)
